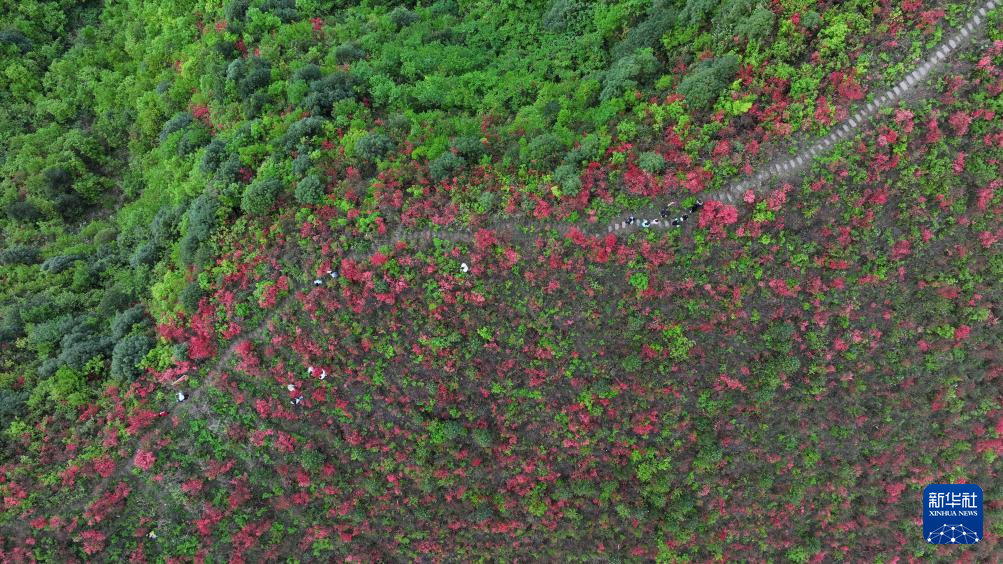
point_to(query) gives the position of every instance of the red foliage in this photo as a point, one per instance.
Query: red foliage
(104, 466)
(901, 249)
(192, 486)
(97, 511)
(962, 332)
(201, 343)
(144, 459)
(93, 541)
(716, 216)
(139, 420)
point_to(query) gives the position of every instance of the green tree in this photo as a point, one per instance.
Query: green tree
(127, 355)
(310, 190)
(260, 196)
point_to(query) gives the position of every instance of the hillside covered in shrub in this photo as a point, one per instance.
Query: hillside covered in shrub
(382, 251)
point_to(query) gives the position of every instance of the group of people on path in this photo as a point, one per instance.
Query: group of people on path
(674, 222)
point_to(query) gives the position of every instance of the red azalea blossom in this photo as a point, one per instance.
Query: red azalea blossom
(144, 459)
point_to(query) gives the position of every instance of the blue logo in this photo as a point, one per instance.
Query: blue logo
(952, 514)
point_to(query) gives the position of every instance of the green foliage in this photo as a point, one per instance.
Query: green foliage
(373, 146)
(566, 16)
(707, 80)
(639, 280)
(190, 296)
(20, 254)
(310, 190)
(445, 166)
(25, 212)
(124, 322)
(249, 75)
(127, 355)
(652, 162)
(335, 87)
(178, 122)
(260, 196)
(201, 221)
(629, 73)
(403, 17)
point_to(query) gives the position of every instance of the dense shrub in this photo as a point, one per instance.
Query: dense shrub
(260, 196)
(348, 53)
(190, 296)
(697, 11)
(236, 10)
(566, 16)
(651, 161)
(177, 122)
(192, 139)
(402, 17)
(229, 170)
(69, 206)
(285, 10)
(20, 254)
(469, 147)
(11, 402)
(15, 38)
(123, 321)
(307, 73)
(144, 253)
(11, 326)
(59, 263)
(707, 81)
(310, 190)
(83, 343)
(373, 146)
(249, 75)
(544, 151)
(758, 25)
(57, 180)
(302, 163)
(332, 88)
(202, 215)
(165, 226)
(115, 299)
(445, 166)
(398, 123)
(568, 177)
(127, 354)
(648, 33)
(201, 222)
(628, 73)
(304, 128)
(444, 8)
(214, 155)
(25, 212)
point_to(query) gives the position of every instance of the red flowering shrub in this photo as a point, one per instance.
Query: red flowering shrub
(143, 459)
(93, 541)
(716, 216)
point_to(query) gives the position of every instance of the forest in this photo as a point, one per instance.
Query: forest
(456, 280)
